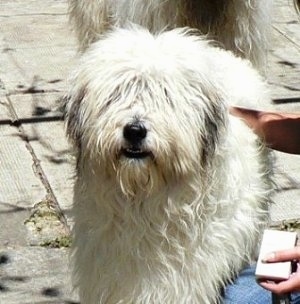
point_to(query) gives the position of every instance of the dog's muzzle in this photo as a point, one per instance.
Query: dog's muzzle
(135, 134)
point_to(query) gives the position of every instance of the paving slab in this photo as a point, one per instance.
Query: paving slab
(36, 52)
(35, 275)
(10, 76)
(39, 105)
(48, 140)
(286, 204)
(4, 110)
(31, 33)
(20, 185)
(54, 154)
(22, 69)
(12, 219)
(33, 7)
(284, 59)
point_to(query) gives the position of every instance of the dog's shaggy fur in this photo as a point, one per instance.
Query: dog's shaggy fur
(238, 25)
(171, 191)
(297, 5)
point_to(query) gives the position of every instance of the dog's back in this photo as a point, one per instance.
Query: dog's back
(241, 26)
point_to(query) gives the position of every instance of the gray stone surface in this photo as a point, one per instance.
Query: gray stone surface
(20, 185)
(35, 275)
(284, 59)
(37, 50)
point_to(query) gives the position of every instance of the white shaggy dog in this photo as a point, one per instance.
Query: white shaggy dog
(238, 25)
(171, 191)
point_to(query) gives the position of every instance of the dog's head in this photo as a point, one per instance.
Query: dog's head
(145, 110)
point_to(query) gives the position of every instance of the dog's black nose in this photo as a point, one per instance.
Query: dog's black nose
(134, 133)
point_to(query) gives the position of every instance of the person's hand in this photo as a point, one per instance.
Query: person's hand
(293, 283)
(280, 131)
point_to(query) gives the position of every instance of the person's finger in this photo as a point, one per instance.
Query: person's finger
(290, 285)
(243, 112)
(283, 255)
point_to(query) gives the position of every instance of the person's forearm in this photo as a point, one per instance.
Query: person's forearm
(280, 131)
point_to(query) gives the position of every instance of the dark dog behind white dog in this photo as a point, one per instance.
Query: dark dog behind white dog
(239, 25)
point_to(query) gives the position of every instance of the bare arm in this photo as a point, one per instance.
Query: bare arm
(280, 131)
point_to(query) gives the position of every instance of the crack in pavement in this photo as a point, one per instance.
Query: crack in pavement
(37, 168)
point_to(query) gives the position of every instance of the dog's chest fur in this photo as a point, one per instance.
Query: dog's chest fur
(169, 248)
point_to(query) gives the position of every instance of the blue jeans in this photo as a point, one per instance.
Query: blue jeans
(245, 290)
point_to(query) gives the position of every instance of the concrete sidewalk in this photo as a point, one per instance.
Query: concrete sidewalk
(37, 49)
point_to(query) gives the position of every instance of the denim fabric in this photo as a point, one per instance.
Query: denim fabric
(245, 290)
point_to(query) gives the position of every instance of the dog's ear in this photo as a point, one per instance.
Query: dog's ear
(215, 122)
(73, 118)
(297, 6)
